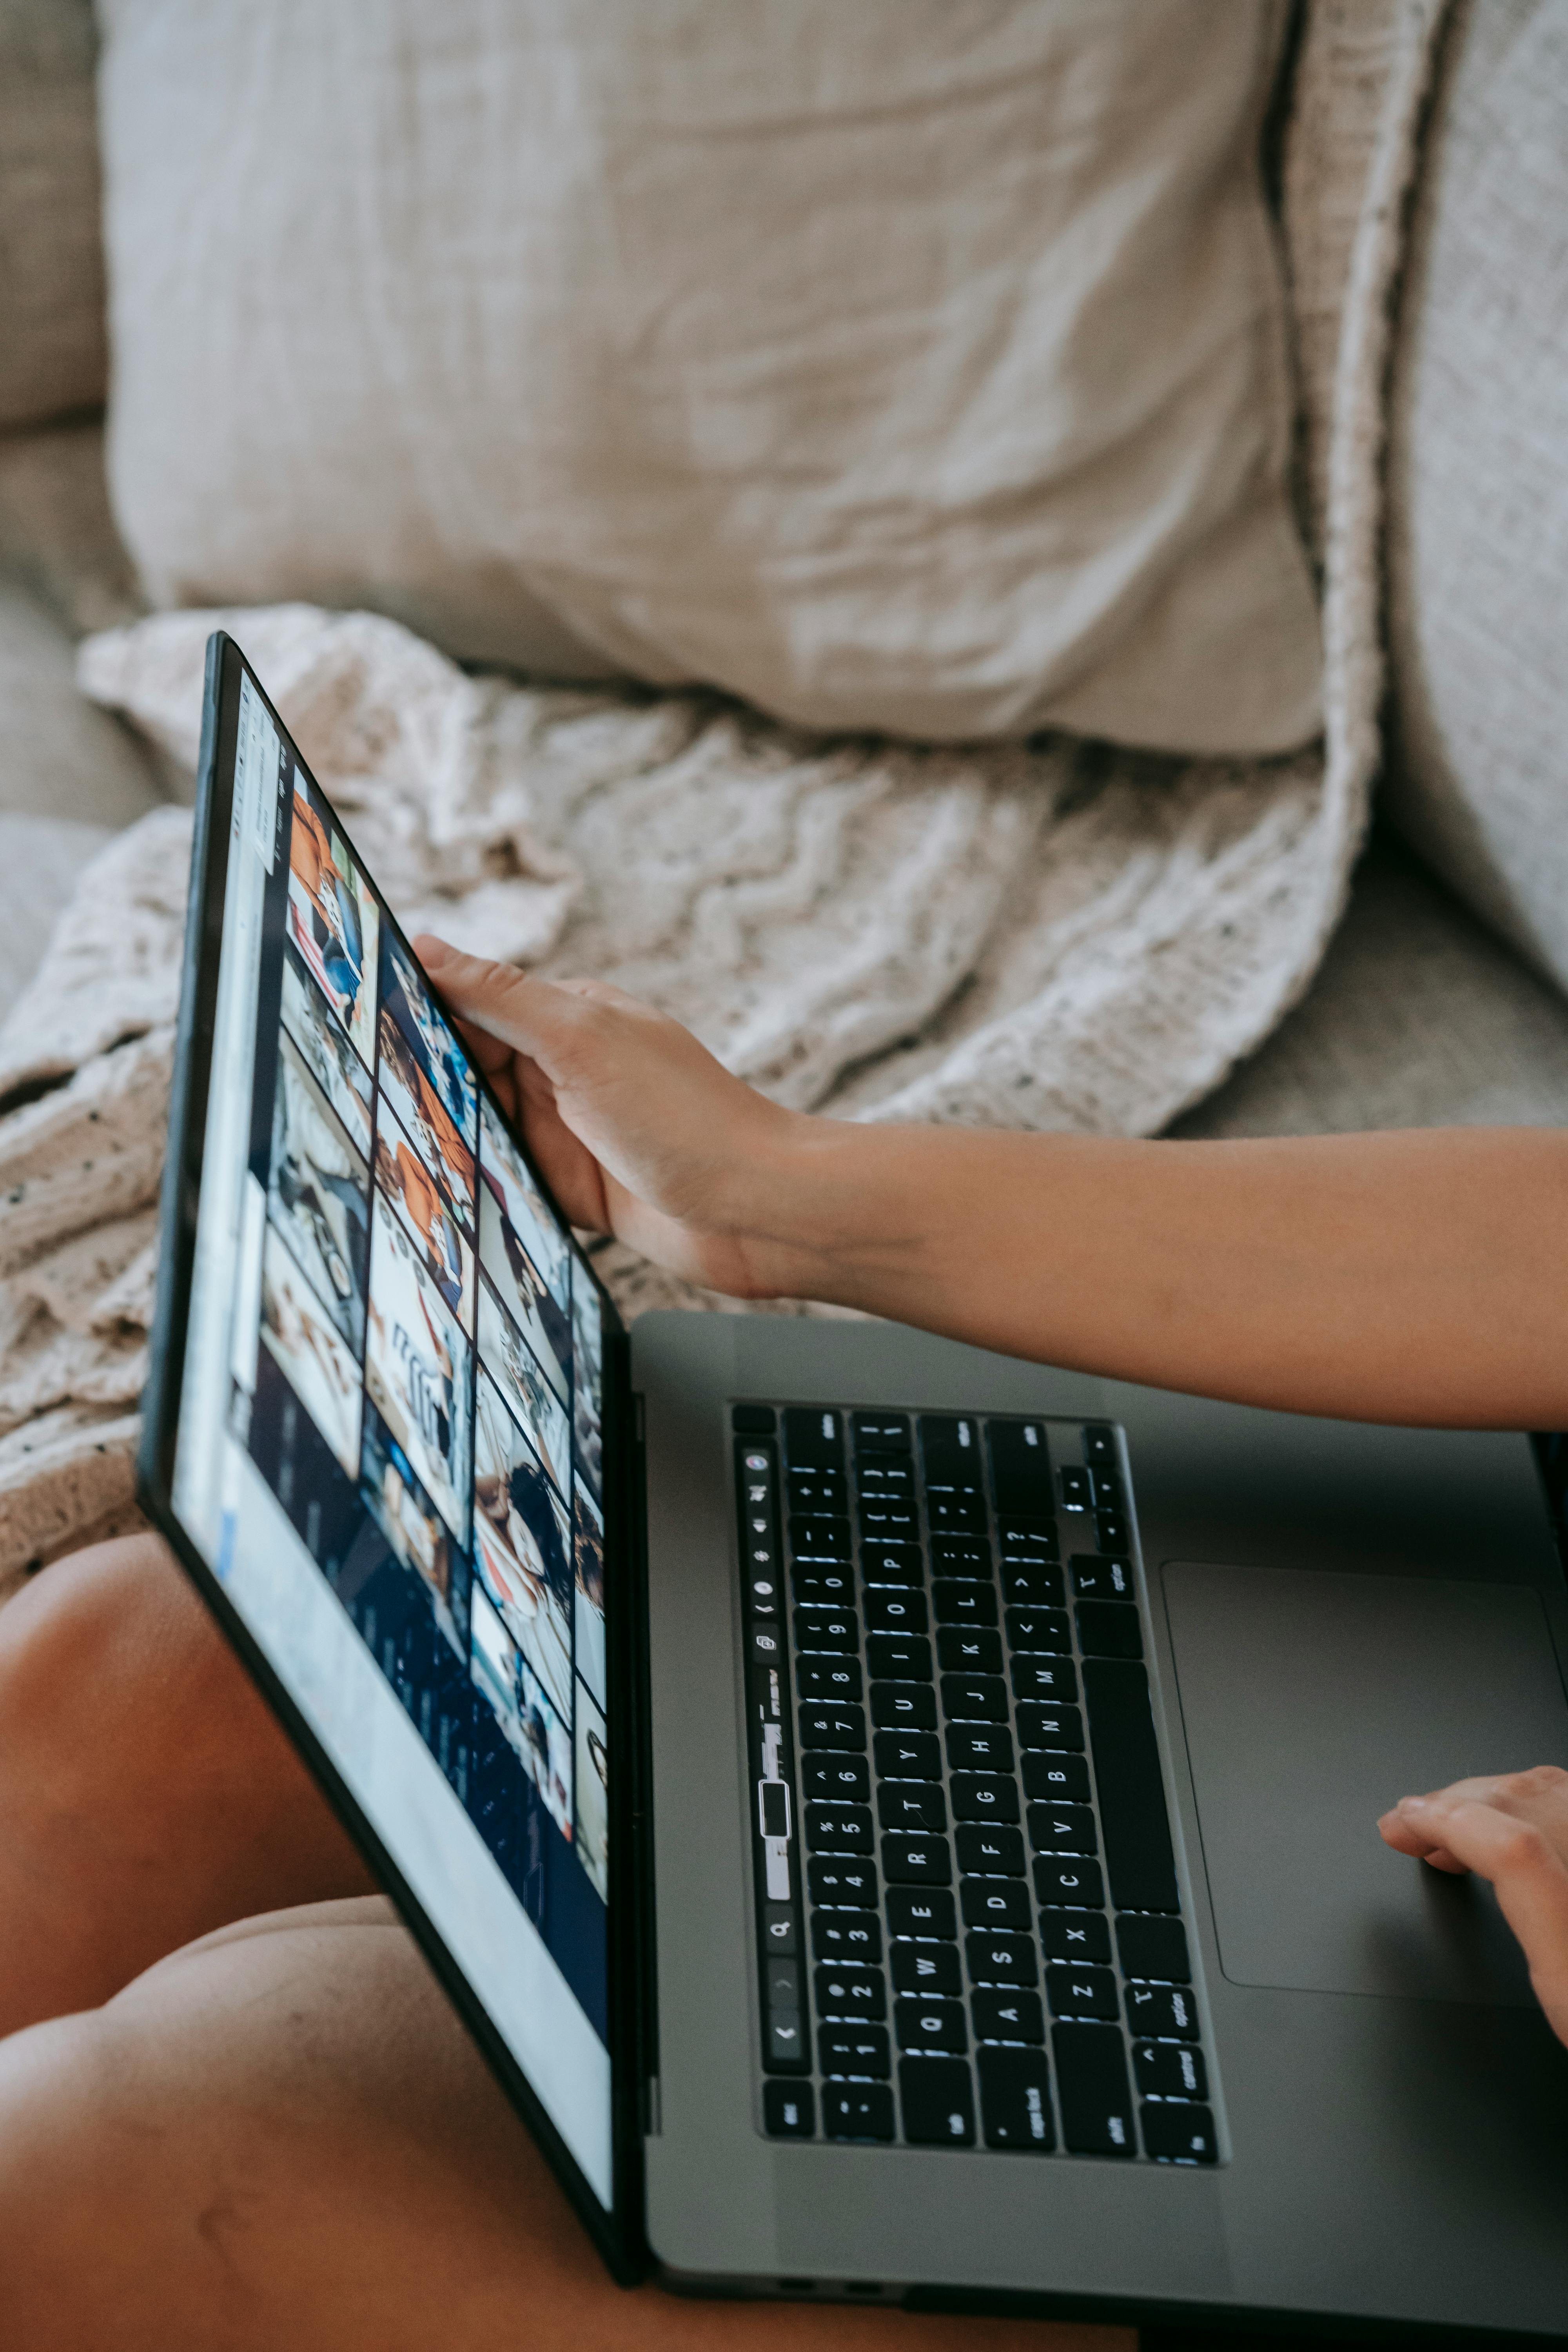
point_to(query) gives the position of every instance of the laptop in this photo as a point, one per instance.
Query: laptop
(897, 1821)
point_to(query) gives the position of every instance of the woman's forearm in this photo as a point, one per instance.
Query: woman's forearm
(1417, 1277)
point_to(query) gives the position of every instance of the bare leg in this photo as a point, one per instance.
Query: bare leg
(283, 2135)
(146, 1793)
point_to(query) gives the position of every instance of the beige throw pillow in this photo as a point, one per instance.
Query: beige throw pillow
(53, 353)
(915, 365)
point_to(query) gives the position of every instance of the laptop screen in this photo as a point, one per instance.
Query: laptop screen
(388, 1446)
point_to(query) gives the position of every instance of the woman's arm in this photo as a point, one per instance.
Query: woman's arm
(1419, 1276)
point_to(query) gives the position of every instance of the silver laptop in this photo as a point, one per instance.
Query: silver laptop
(898, 1821)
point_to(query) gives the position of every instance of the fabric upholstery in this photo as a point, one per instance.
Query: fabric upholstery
(1419, 1017)
(1478, 488)
(914, 367)
(53, 353)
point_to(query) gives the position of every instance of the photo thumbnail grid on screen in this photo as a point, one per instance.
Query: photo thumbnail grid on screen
(424, 1400)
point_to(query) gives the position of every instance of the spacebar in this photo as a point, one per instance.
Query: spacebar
(1131, 1794)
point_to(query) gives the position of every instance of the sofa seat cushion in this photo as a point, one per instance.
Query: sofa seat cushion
(1419, 1017)
(896, 367)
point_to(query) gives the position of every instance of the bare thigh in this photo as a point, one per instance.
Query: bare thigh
(282, 2134)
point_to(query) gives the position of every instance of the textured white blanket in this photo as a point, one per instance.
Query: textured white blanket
(1053, 937)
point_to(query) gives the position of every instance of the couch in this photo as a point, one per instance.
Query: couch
(1441, 997)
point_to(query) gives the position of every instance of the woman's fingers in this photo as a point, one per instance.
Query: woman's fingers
(1512, 1828)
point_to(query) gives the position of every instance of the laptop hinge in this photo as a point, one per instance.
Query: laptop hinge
(652, 2108)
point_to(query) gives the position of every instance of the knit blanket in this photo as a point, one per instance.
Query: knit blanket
(1055, 935)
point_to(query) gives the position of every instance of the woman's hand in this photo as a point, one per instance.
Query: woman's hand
(638, 1131)
(1512, 1828)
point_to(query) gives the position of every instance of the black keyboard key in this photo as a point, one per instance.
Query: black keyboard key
(839, 1828)
(895, 1706)
(1170, 2070)
(833, 1726)
(819, 1540)
(977, 1797)
(834, 1775)
(827, 1678)
(980, 1748)
(753, 1420)
(907, 1756)
(1016, 2100)
(1061, 1880)
(911, 1805)
(1155, 1948)
(916, 1860)
(1034, 1585)
(996, 1958)
(959, 1602)
(1098, 1444)
(921, 1911)
(886, 1477)
(1062, 1829)
(1075, 1935)
(969, 1650)
(925, 1969)
(1138, 1856)
(880, 1432)
(1039, 1629)
(989, 1850)
(883, 1561)
(813, 1494)
(1020, 1465)
(1095, 1577)
(1106, 1482)
(1080, 1990)
(1042, 1725)
(850, 1992)
(789, 2110)
(831, 1629)
(822, 1584)
(898, 1658)
(839, 1879)
(847, 1937)
(1092, 2091)
(975, 1698)
(950, 1448)
(1045, 1679)
(961, 1556)
(854, 2050)
(938, 2102)
(1162, 2012)
(998, 2014)
(784, 2044)
(888, 1522)
(1109, 1629)
(890, 1609)
(953, 1510)
(1112, 1530)
(1053, 1773)
(994, 1903)
(1032, 1543)
(814, 1438)
(1076, 1492)
(928, 2023)
(1180, 2135)
(857, 2111)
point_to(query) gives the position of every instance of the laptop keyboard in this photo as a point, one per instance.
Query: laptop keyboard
(968, 1920)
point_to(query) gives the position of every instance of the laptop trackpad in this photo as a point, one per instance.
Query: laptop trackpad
(1311, 1702)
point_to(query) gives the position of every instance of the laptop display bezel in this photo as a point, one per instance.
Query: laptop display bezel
(619, 2232)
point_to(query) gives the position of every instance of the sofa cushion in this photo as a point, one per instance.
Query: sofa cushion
(52, 343)
(900, 366)
(1479, 490)
(1419, 1017)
